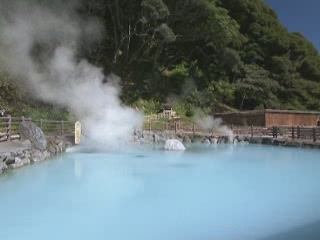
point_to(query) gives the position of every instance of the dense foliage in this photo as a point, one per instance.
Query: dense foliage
(17, 102)
(209, 54)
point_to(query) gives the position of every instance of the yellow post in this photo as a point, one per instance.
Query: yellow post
(77, 133)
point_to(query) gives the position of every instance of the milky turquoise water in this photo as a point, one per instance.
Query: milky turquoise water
(223, 192)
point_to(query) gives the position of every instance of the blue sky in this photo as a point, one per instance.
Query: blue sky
(299, 16)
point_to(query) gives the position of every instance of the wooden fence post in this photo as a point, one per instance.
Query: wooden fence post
(9, 128)
(314, 134)
(273, 135)
(193, 128)
(298, 132)
(149, 124)
(62, 127)
(251, 130)
(175, 127)
(292, 133)
(275, 132)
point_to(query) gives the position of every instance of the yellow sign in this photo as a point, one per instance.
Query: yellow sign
(77, 133)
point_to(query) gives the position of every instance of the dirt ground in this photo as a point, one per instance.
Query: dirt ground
(13, 146)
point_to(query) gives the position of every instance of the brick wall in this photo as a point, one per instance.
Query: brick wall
(255, 118)
(269, 118)
(291, 119)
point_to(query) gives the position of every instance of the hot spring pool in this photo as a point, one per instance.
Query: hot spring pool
(223, 192)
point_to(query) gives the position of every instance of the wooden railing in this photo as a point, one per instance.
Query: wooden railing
(298, 132)
(9, 127)
(293, 132)
(304, 133)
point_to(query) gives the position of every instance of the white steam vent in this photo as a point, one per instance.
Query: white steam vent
(58, 76)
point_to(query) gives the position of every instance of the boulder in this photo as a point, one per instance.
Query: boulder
(279, 142)
(240, 138)
(256, 140)
(57, 145)
(3, 167)
(207, 141)
(196, 138)
(213, 140)
(30, 131)
(17, 163)
(138, 133)
(228, 140)
(243, 142)
(3, 158)
(186, 140)
(39, 156)
(10, 160)
(267, 140)
(26, 155)
(174, 145)
(149, 137)
(159, 139)
(293, 143)
(26, 161)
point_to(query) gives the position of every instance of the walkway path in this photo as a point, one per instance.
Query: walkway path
(13, 146)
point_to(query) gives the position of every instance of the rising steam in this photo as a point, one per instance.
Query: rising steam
(38, 46)
(215, 124)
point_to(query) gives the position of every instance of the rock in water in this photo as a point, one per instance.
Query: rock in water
(214, 140)
(30, 131)
(186, 140)
(175, 145)
(58, 144)
(3, 167)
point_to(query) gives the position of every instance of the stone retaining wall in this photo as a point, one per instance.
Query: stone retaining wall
(57, 145)
(151, 137)
(20, 158)
(284, 142)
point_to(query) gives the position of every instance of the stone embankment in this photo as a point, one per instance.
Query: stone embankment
(151, 137)
(39, 148)
(34, 147)
(147, 137)
(285, 142)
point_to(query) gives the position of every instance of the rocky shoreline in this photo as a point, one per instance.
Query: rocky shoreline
(37, 148)
(50, 147)
(20, 158)
(285, 142)
(153, 137)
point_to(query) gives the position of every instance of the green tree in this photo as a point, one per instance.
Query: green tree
(255, 89)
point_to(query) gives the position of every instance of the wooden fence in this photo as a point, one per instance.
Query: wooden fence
(9, 127)
(298, 132)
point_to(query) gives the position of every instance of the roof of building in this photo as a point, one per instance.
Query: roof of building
(269, 111)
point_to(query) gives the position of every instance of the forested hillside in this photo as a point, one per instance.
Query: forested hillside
(208, 54)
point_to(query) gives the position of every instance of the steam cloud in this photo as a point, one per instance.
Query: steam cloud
(56, 75)
(210, 123)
